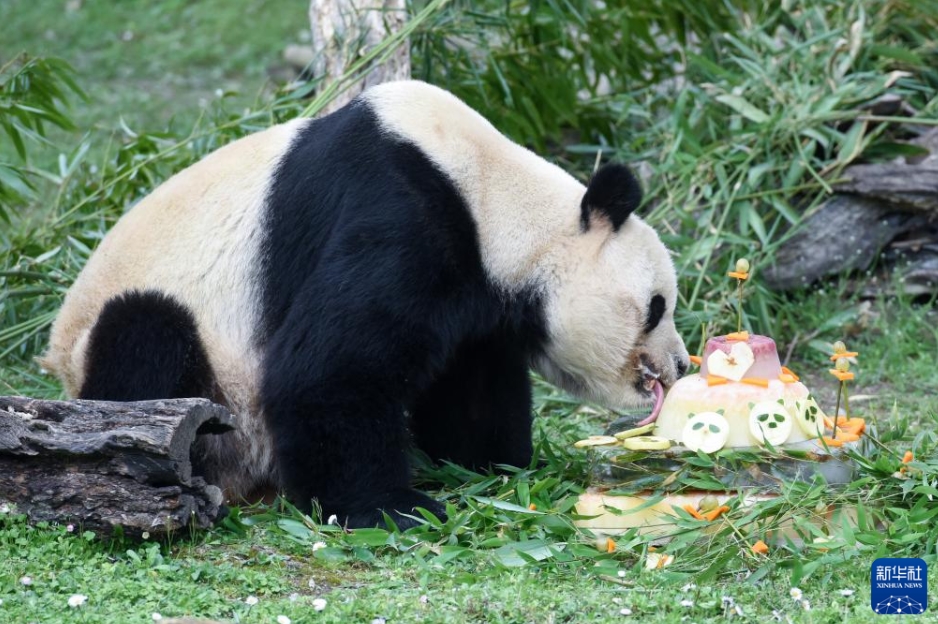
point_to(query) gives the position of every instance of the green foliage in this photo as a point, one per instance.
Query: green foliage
(33, 93)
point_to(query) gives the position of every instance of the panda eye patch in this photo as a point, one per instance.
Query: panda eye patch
(656, 309)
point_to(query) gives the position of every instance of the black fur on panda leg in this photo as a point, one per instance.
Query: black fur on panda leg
(145, 345)
(336, 383)
(478, 412)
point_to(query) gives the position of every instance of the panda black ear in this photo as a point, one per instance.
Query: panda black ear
(613, 193)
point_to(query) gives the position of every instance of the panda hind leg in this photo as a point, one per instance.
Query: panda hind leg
(478, 412)
(145, 345)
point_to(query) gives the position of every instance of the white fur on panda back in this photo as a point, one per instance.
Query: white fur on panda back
(196, 237)
(523, 206)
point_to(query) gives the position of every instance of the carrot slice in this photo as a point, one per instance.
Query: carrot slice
(692, 511)
(837, 356)
(716, 513)
(755, 381)
(842, 376)
(713, 380)
(789, 371)
(738, 275)
(610, 545)
(841, 422)
(742, 336)
(760, 548)
(842, 438)
(908, 457)
(855, 425)
(786, 378)
(696, 359)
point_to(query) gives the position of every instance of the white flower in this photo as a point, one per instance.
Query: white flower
(156, 617)
(689, 587)
(846, 592)
(25, 580)
(4, 509)
(145, 535)
(282, 619)
(728, 601)
(319, 604)
(219, 93)
(795, 593)
(333, 519)
(76, 600)
(687, 603)
(294, 597)
(70, 528)
(806, 605)
(318, 545)
(621, 573)
(424, 599)
(251, 600)
(379, 620)
(625, 611)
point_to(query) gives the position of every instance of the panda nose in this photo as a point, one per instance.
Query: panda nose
(681, 365)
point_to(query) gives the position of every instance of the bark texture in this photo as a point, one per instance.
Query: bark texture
(103, 465)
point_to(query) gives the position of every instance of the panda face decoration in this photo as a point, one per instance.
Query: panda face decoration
(610, 314)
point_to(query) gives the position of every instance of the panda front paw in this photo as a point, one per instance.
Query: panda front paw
(398, 504)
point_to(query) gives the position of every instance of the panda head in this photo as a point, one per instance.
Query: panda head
(610, 303)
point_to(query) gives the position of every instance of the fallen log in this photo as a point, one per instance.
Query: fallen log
(107, 466)
(884, 210)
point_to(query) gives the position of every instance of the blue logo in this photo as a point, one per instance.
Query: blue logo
(899, 586)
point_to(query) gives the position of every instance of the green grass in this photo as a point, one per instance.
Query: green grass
(150, 63)
(766, 113)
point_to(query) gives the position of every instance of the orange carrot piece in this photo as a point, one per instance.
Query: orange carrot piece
(610, 545)
(755, 381)
(841, 422)
(713, 380)
(738, 275)
(716, 513)
(742, 336)
(786, 378)
(696, 359)
(837, 356)
(760, 548)
(842, 438)
(908, 457)
(789, 371)
(855, 425)
(692, 511)
(841, 375)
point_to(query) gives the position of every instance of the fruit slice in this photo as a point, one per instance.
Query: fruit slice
(809, 417)
(706, 431)
(732, 365)
(766, 366)
(596, 440)
(637, 431)
(646, 443)
(769, 422)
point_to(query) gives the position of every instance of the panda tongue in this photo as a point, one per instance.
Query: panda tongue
(659, 401)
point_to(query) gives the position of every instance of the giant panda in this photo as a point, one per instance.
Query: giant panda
(379, 277)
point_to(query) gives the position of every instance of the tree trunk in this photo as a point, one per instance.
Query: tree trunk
(344, 29)
(106, 465)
